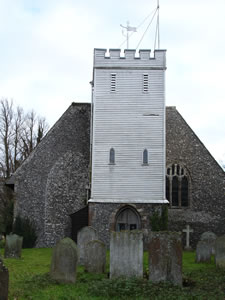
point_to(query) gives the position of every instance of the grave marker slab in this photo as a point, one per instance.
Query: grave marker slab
(4, 281)
(220, 252)
(210, 237)
(13, 246)
(95, 256)
(203, 252)
(85, 235)
(165, 257)
(64, 261)
(126, 254)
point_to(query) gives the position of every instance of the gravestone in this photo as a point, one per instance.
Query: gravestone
(95, 257)
(165, 257)
(203, 252)
(85, 235)
(210, 237)
(187, 230)
(64, 261)
(4, 281)
(126, 254)
(13, 246)
(220, 252)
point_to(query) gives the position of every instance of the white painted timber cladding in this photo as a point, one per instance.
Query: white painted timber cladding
(128, 120)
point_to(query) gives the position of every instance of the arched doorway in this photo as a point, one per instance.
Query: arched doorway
(127, 219)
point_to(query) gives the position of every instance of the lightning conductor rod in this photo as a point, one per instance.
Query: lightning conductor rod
(158, 24)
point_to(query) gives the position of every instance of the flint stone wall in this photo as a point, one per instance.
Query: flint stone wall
(64, 261)
(126, 254)
(165, 257)
(95, 257)
(51, 184)
(207, 183)
(85, 235)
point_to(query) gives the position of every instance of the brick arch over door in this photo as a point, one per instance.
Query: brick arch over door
(127, 218)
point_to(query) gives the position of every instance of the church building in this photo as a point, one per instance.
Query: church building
(112, 163)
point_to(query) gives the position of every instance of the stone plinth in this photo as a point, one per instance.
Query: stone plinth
(203, 252)
(13, 246)
(165, 257)
(64, 261)
(220, 252)
(95, 257)
(85, 235)
(126, 254)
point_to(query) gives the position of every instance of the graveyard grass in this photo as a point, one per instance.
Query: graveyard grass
(29, 279)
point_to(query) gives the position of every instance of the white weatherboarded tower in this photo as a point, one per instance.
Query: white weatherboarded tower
(128, 133)
(129, 124)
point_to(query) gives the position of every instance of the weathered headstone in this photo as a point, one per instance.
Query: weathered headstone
(220, 252)
(4, 281)
(64, 261)
(126, 254)
(187, 230)
(85, 235)
(95, 257)
(203, 252)
(210, 237)
(165, 257)
(13, 246)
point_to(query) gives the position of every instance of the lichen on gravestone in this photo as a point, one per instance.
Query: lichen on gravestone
(64, 261)
(13, 246)
(95, 256)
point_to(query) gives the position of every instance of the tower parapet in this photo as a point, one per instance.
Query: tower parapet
(130, 58)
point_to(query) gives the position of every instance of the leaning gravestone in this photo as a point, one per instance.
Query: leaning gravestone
(4, 281)
(95, 256)
(203, 252)
(13, 246)
(210, 238)
(64, 261)
(126, 254)
(220, 252)
(85, 235)
(165, 257)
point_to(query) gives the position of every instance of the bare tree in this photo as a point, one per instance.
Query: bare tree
(19, 135)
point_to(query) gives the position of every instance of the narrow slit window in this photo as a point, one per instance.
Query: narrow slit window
(145, 83)
(145, 157)
(112, 156)
(113, 83)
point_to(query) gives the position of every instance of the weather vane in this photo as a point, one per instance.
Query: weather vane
(128, 29)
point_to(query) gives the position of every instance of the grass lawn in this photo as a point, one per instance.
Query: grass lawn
(29, 279)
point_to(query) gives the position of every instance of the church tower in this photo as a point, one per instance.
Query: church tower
(128, 138)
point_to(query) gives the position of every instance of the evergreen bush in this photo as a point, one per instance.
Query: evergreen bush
(25, 228)
(160, 222)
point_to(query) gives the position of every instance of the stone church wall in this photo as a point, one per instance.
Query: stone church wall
(51, 184)
(206, 210)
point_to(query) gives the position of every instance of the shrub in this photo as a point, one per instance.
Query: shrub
(25, 228)
(160, 222)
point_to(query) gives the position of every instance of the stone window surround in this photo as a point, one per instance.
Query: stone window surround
(187, 174)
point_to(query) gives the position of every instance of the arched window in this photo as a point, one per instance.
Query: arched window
(127, 219)
(112, 156)
(177, 186)
(145, 157)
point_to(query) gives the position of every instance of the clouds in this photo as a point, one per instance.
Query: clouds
(46, 54)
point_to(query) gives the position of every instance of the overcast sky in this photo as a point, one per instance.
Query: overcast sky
(46, 55)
